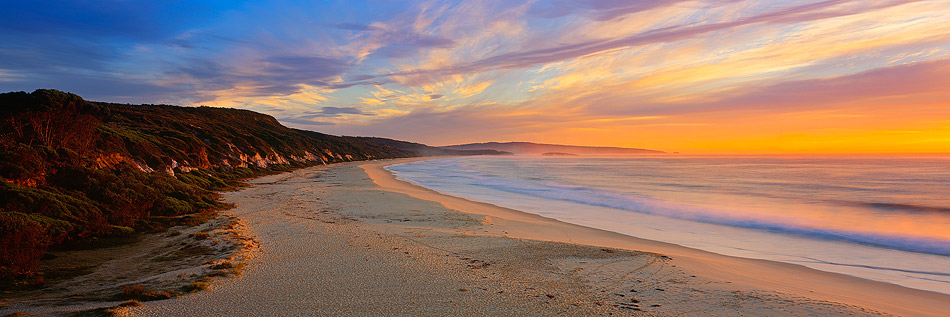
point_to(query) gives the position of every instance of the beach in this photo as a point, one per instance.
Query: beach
(351, 238)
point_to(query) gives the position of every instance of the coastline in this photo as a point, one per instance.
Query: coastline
(351, 239)
(787, 278)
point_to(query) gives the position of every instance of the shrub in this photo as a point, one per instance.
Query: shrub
(130, 303)
(24, 239)
(139, 292)
(200, 235)
(194, 287)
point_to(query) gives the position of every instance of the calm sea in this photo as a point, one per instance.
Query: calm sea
(885, 219)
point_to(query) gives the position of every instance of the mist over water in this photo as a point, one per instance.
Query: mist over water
(885, 219)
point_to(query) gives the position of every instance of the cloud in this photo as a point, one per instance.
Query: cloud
(530, 58)
(405, 45)
(182, 43)
(902, 80)
(271, 75)
(879, 87)
(309, 118)
(486, 69)
(339, 110)
(475, 122)
(361, 77)
(99, 88)
(333, 112)
(353, 83)
(306, 123)
(355, 27)
(301, 69)
(920, 79)
(596, 9)
(116, 19)
(53, 54)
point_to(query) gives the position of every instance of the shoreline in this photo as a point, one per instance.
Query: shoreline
(749, 273)
(350, 239)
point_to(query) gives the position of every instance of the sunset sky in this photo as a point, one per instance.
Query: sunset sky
(726, 76)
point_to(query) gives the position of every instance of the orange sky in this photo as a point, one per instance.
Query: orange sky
(692, 76)
(869, 77)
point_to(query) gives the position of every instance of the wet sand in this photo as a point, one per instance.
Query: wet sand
(351, 239)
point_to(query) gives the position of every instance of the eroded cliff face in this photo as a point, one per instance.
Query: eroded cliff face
(213, 138)
(48, 131)
(234, 157)
(71, 169)
(168, 139)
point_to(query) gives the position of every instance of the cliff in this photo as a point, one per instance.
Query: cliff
(72, 170)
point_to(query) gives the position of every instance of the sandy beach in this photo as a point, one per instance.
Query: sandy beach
(351, 239)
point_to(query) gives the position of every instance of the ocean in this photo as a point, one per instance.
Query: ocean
(879, 218)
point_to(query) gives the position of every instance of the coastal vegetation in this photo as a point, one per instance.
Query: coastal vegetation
(73, 171)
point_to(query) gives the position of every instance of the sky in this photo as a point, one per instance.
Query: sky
(702, 77)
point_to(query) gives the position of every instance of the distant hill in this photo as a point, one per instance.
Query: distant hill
(72, 169)
(528, 148)
(420, 149)
(557, 154)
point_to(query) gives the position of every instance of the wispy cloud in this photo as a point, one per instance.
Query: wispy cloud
(479, 70)
(333, 112)
(535, 57)
(355, 27)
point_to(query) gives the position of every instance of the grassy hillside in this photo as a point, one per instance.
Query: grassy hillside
(73, 170)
